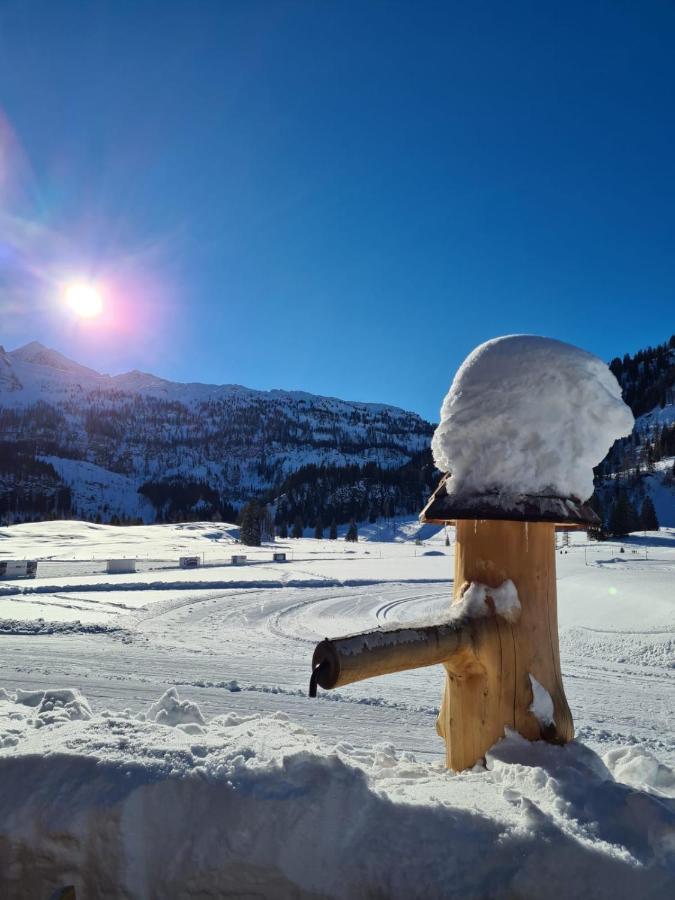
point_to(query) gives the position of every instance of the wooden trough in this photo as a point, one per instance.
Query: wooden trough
(492, 663)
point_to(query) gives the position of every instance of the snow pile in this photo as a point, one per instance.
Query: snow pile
(50, 707)
(529, 415)
(640, 768)
(171, 710)
(55, 705)
(257, 806)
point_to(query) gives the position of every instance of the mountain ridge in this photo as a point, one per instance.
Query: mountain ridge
(36, 353)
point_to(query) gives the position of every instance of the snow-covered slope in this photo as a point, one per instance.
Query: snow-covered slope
(229, 442)
(643, 464)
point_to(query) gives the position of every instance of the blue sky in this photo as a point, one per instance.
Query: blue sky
(341, 197)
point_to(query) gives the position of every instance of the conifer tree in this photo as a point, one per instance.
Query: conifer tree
(318, 530)
(352, 532)
(332, 534)
(597, 532)
(648, 518)
(283, 530)
(633, 517)
(297, 528)
(249, 530)
(619, 516)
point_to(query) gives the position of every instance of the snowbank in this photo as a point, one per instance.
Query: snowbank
(529, 415)
(124, 806)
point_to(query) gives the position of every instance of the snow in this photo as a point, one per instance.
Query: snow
(542, 703)
(640, 769)
(171, 710)
(528, 415)
(156, 738)
(256, 804)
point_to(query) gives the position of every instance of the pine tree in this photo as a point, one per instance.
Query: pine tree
(619, 516)
(352, 532)
(318, 531)
(648, 517)
(633, 518)
(283, 530)
(297, 528)
(249, 531)
(332, 534)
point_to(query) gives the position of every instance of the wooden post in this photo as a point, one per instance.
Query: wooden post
(488, 685)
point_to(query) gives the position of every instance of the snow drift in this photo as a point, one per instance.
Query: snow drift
(165, 806)
(529, 415)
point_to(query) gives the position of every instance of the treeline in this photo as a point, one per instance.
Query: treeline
(620, 514)
(180, 500)
(29, 488)
(647, 378)
(257, 525)
(42, 428)
(354, 493)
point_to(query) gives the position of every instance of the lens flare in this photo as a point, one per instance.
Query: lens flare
(84, 299)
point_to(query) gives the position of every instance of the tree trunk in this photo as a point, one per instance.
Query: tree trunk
(488, 685)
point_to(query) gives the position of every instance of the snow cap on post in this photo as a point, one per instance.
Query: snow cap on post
(527, 417)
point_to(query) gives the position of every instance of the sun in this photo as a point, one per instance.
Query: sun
(84, 299)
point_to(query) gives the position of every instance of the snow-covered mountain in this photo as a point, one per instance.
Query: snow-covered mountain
(135, 446)
(192, 448)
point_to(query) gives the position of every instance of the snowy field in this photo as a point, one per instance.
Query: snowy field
(342, 796)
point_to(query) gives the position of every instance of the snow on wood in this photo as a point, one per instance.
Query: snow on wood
(528, 415)
(542, 703)
(480, 600)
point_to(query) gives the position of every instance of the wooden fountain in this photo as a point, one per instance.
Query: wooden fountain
(492, 663)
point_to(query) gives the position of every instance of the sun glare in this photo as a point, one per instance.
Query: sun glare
(85, 300)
